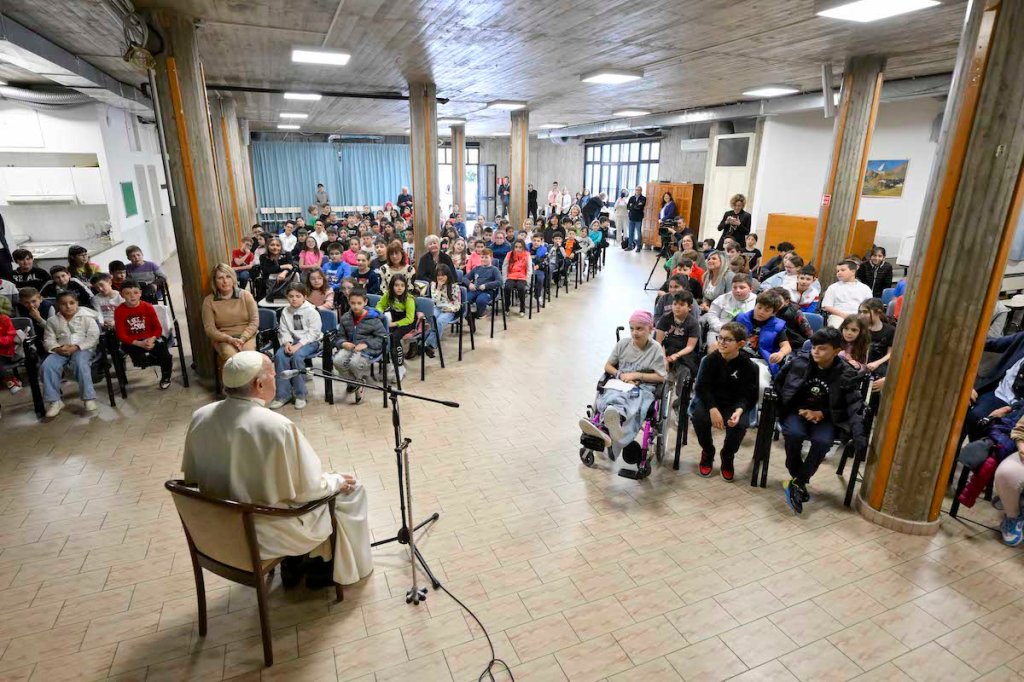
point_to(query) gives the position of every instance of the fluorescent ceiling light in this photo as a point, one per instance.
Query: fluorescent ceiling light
(611, 76)
(499, 134)
(3, 82)
(451, 120)
(770, 91)
(628, 113)
(507, 104)
(288, 126)
(288, 114)
(308, 55)
(551, 126)
(311, 96)
(864, 11)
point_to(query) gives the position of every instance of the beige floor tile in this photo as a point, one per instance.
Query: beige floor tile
(331, 631)
(793, 586)
(658, 670)
(541, 637)
(550, 598)
(950, 607)
(593, 660)
(369, 655)
(1005, 623)
(978, 647)
(206, 664)
(59, 641)
(467, 660)
(805, 623)
(701, 620)
(986, 589)
(597, 583)
(650, 600)
(706, 661)
(820, 661)
(927, 573)
(772, 671)
(246, 656)
(910, 624)
(758, 642)
(84, 665)
(932, 663)
(748, 603)
(849, 605)
(432, 668)
(650, 639)
(435, 634)
(313, 668)
(597, 618)
(889, 588)
(508, 579)
(544, 669)
(886, 672)
(697, 584)
(867, 645)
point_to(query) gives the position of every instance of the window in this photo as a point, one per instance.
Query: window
(445, 160)
(613, 166)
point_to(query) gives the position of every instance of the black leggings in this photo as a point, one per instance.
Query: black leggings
(160, 356)
(520, 286)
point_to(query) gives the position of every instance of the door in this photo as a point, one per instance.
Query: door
(472, 190)
(487, 189)
(161, 208)
(731, 161)
(149, 224)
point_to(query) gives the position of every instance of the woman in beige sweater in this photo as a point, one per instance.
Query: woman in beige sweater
(230, 316)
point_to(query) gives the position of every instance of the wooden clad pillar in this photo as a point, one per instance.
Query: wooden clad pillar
(854, 124)
(196, 215)
(239, 167)
(459, 168)
(423, 150)
(222, 161)
(974, 199)
(519, 162)
(245, 156)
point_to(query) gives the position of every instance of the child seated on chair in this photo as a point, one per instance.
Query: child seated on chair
(139, 330)
(539, 254)
(678, 333)
(807, 290)
(1009, 483)
(320, 294)
(118, 274)
(61, 281)
(728, 306)
(335, 269)
(817, 395)
(399, 308)
(663, 301)
(725, 394)
(71, 337)
(517, 271)
(31, 305)
(766, 333)
(361, 339)
(559, 260)
(10, 348)
(638, 360)
(856, 341)
(483, 282)
(447, 297)
(844, 296)
(106, 300)
(365, 276)
(27, 273)
(798, 329)
(299, 332)
(145, 272)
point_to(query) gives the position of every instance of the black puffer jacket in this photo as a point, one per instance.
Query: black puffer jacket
(844, 397)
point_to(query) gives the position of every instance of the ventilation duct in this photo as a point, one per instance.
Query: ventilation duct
(51, 98)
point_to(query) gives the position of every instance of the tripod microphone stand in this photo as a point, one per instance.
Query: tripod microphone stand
(406, 534)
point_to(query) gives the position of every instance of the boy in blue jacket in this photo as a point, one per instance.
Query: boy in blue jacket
(539, 252)
(335, 269)
(482, 281)
(766, 333)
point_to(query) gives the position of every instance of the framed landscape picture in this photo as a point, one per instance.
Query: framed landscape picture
(885, 177)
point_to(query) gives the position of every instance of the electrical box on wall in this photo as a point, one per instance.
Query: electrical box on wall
(699, 145)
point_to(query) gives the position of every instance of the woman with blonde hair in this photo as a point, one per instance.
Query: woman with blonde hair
(735, 223)
(230, 316)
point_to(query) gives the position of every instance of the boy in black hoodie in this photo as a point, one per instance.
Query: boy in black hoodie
(726, 392)
(817, 395)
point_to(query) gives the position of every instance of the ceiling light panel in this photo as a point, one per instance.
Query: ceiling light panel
(310, 55)
(864, 11)
(305, 96)
(295, 115)
(771, 91)
(506, 104)
(628, 113)
(611, 76)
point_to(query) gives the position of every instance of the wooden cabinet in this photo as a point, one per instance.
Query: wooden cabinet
(688, 199)
(799, 231)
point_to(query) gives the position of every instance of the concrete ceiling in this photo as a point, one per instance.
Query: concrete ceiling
(694, 52)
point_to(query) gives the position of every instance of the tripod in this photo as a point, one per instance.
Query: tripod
(406, 534)
(654, 269)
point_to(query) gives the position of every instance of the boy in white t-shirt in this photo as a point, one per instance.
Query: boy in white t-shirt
(843, 298)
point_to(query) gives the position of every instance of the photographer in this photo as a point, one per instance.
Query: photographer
(735, 223)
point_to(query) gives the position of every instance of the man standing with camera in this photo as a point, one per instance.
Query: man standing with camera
(635, 206)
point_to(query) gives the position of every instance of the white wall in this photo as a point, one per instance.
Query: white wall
(795, 152)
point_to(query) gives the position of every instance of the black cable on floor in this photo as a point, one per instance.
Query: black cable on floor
(488, 672)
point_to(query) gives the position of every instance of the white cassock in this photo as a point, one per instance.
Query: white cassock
(239, 450)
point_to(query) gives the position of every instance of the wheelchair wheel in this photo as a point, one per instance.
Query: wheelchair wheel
(587, 456)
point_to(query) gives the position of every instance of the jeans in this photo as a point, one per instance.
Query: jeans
(351, 364)
(296, 386)
(795, 430)
(53, 369)
(517, 285)
(441, 321)
(701, 420)
(634, 233)
(538, 283)
(482, 300)
(632, 405)
(243, 277)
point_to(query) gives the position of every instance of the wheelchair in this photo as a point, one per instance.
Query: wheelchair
(653, 430)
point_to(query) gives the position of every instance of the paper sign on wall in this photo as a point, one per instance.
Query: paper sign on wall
(826, 199)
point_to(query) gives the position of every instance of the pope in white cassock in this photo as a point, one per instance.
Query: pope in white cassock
(239, 450)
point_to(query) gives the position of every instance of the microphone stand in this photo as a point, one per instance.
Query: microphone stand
(405, 534)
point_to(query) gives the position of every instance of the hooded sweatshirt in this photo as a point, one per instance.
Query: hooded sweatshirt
(300, 325)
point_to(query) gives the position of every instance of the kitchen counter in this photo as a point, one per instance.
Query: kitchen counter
(50, 253)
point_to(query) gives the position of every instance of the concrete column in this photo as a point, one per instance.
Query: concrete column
(197, 217)
(851, 140)
(459, 168)
(519, 162)
(975, 195)
(423, 150)
(245, 156)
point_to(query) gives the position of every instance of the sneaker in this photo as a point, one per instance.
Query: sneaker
(165, 383)
(588, 427)
(613, 422)
(431, 352)
(351, 389)
(359, 394)
(706, 463)
(1012, 530)
(522, 314)
(413, 351)
(90, 405)
(276, 404)
(54, 409)
(727, 469)
(472, 308)
(794, 498)
(13, 385)
(300, 403)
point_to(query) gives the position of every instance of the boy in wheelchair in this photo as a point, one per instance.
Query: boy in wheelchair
(634, 373)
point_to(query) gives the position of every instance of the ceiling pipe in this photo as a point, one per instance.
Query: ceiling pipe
(339, 95)
(62, 98)
(892, 91)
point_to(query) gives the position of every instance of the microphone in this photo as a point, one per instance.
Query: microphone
(289, 373)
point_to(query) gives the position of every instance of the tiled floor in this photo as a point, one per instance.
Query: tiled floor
(576, 572)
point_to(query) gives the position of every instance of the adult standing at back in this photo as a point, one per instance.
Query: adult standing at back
(554, 199)
(592, 208)
(531, 201)
(564, 202)
(504, 192)
(321, 197)
(620, 212)
(735, 223)
(404, 200)
(635, 210)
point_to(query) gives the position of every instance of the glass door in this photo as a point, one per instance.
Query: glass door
(487, 189)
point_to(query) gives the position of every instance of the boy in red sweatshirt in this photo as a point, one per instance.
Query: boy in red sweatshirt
(138, 329)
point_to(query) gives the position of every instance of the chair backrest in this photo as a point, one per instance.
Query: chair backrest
(163, 313)
(24, 324)
(372, 300)
(217, 527)
(425, 307)
(268, 319)
(465, 299)
(815, 320)
(888, 295)
(328, 321)
(807, 346)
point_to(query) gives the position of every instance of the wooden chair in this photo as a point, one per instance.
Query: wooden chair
(221, 537)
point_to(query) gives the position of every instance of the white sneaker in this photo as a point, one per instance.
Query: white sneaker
(300, 403)
(54, 409)
(587, 427)
(613, 421)
(90, 405)
(522, 314)
(276, 404)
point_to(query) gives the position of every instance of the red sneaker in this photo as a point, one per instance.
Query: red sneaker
(13, 384)
(706, 462)
(727, 471)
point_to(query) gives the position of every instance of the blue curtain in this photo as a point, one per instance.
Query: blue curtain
(287, 173)
(373, 173)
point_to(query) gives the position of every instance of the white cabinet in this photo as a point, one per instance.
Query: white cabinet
(88, 185)
(39, 182)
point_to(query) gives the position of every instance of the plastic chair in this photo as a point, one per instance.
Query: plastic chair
(329, 327)
(815, 320)
(30, 362)
(425, 312)
(221, 536)
(888, 295)
(171, 336)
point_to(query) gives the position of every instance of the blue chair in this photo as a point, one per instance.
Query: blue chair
(266, 336)
(888, 295)
(329, 328)
(815, 320)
